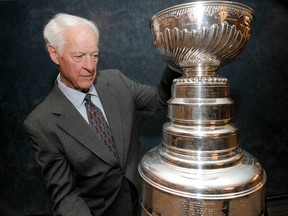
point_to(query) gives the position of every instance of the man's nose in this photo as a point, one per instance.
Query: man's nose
(89, 63)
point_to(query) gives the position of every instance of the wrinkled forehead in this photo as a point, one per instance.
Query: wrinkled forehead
(82, 37)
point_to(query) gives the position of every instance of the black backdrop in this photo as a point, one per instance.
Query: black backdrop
(258, 81)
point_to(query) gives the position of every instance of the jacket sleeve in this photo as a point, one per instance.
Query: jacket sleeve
(56, 172)
(150, 98)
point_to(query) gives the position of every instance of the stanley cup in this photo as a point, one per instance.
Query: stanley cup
(199, 167)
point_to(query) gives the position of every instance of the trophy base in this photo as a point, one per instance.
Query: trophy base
(168, 204)
(168, 189)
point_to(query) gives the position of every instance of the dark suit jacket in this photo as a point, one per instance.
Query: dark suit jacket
(81, 175)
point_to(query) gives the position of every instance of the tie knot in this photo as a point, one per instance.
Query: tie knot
(87, 97)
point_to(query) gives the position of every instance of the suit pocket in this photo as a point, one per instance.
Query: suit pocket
(90, 164)
(96, 205)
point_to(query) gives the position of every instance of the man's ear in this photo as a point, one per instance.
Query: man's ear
(54, 55)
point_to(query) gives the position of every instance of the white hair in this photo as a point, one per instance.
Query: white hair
(53, 31)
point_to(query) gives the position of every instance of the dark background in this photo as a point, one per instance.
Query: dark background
(258, 81)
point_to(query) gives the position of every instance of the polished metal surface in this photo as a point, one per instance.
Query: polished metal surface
(205, 33)
(199, 168)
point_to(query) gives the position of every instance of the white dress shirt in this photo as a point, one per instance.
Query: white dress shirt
(77, 98)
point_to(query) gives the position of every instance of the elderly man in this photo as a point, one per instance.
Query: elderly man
(84, 134)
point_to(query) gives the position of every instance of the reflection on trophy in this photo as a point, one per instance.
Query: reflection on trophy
(199, 169)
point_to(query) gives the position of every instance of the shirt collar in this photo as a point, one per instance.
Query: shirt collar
(76, 97)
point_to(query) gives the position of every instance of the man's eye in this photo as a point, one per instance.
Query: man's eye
(78, 57)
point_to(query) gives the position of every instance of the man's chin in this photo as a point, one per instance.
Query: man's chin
(86, 84)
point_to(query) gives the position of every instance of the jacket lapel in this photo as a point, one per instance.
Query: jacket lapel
(75, 125)
(107, 93)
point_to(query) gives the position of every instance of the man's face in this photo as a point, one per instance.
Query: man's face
(79, 59)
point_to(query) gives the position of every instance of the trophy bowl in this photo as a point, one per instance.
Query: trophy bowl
(203, 34)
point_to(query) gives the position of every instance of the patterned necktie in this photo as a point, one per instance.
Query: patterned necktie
(99, 124)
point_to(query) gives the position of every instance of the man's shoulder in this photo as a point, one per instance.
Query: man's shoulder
(112, 76)
(43, 107)
(108, 72)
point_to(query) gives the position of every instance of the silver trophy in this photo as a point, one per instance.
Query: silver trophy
(199, 168)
